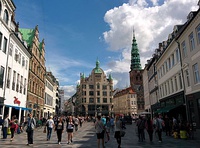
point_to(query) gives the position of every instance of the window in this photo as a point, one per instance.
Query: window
(98, 93)
(91, 86)
(110, 100)
(198, 33)
(9, 77)
(104, 93)
(166, 66)
(191, 40)
(1, 35)
(98, 86)
(11, 49)
(104, 100)
(91, 93)
(5, 16)
(173, 60)
(84, 86)
(169, 63)
(196, 73)
(14, 80)
(5, 44)
(104, 87)
(172, 86)
(1, 76)
(20, 56)
(98, 100)
(91, 100)
(25, 86)
(176, 85)
(84, 93)
(180, 81)
(184, 49)
(177, 56)
(187, 77)
(23, 61)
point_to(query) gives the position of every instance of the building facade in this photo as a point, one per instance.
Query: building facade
(178, 77)
(125, 102)
(50, 95)
(14, 64)
(37, 71)
(94, 94)
(188, 41)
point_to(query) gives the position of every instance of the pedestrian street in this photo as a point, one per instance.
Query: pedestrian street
(85, 137)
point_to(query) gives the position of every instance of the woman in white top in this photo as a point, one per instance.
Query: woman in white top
(50, 126)
(118, 128)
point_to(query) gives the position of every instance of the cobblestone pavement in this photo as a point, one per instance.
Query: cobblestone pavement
(85, 137)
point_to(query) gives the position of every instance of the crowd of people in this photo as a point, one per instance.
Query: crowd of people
(103, 127)
(56, 123)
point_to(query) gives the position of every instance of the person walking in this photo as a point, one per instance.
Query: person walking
(149, 128)
(112, 123)
(141, 126)
(108, 126)
(13, 126)
(5, 127)
(50, 125)
(76, 122)
(70, 129)
(100, 129)
(118, 128)
(59, 127)
(158, 123)
(31, 124)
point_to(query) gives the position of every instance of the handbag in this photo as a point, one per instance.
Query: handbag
(28, 129)
(44, 131)
(122, 133)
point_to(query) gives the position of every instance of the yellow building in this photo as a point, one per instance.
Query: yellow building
(125, 102)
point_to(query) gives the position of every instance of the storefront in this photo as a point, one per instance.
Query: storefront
(193, 101)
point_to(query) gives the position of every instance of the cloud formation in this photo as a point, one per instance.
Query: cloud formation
(151, 22)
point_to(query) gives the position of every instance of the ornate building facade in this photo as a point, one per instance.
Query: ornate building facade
(37, 71)
(94, 94)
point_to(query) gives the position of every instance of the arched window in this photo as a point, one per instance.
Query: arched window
(5, 16)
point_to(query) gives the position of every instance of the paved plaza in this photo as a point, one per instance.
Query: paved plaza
(85, 137)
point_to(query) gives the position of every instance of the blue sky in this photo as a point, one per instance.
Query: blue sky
(76, 33)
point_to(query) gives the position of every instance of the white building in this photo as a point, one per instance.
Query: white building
(13, 64)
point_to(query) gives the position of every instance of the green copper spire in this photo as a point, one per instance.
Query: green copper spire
(135, 56)
(97, 68)
(110, 77)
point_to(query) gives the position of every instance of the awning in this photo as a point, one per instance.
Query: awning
(18, 107)
(167, 109)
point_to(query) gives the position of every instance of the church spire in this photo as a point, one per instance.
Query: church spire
(135, 56)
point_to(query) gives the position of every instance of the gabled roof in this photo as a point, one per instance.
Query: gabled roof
(27, 35)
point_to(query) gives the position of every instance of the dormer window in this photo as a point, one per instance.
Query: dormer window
(5, 16)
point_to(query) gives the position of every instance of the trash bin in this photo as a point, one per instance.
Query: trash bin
(183, 134)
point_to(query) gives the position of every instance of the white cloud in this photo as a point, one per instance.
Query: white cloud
(152, 24)
(69, 90)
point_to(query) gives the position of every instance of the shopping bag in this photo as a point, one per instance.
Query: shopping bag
(122, 133)
(44, 131)
(8, 131)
